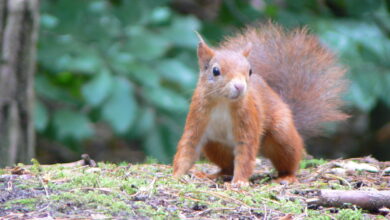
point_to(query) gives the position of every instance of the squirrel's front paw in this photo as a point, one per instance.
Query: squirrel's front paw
(239, 183)
(285, 180)
(177, 173)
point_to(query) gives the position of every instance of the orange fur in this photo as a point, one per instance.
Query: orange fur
(233, 115)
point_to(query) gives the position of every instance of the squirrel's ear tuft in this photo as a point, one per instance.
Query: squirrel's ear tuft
(200, 38)
(205, 53)
(247, 50)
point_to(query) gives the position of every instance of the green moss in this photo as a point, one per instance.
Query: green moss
(28, 185)
(148, 211)
(349, 214)
(380, 217)
(94, 199)
(25, 201)
(316, 215)
(36, 167)
(311, 163)
(150, 191)
(28, 203)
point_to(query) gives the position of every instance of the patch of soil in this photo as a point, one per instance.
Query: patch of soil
(10, 190)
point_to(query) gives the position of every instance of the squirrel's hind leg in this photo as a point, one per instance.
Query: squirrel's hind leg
(222, 156)
(284, 147)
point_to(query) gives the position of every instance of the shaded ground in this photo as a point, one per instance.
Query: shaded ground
(148, 191)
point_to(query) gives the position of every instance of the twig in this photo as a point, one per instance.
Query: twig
(193, 199)
(9, 184)
(223, 197)
(46, 193)
(44, 186)
(339, 178)
(92, 188)
(150, 187)
(146, 189)
(85, 161)
(106, 190)
(369, 200)
(213, 209)
(265, 199)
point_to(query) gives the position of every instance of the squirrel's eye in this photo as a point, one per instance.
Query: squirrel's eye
(250, 72)
(216, 71)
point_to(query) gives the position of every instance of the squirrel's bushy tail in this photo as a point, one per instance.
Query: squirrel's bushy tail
(302, 71)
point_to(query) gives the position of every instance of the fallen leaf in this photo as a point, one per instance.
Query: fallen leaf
(19, 171)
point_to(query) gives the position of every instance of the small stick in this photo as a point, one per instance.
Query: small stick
(339, 178)
(213, 210)
(223, 197)
(369, 200)
(85, 161)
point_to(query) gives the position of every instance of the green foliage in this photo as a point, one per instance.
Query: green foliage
(41, 116)
(367, 55)
(132, 64)
(97, 89)
(121, 106)
(115, 63)
(71, 124)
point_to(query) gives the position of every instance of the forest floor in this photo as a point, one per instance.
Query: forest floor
(144, 191)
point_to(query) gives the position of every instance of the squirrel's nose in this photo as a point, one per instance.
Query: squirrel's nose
(239, 87)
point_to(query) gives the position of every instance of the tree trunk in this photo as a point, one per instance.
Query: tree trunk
(19, 21)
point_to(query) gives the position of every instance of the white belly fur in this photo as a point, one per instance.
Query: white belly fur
(220, 126)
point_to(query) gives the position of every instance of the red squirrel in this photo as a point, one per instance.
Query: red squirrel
(262, 90)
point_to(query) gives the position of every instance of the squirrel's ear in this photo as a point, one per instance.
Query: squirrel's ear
(247, 50)
(205, 53)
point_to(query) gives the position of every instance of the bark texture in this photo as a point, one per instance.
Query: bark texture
(19, 21)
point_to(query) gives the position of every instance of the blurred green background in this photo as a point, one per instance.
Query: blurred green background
(115, 77)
